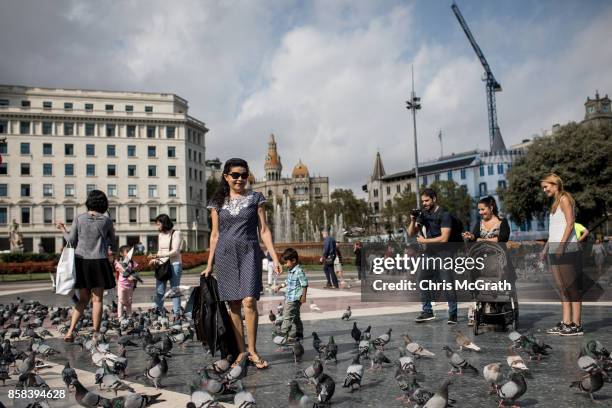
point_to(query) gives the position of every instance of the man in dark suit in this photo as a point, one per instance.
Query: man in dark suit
(329, 255)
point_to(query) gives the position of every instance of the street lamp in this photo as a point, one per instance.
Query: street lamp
(413, 105)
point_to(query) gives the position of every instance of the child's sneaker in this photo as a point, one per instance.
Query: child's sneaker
(572, 330)
(557, 329)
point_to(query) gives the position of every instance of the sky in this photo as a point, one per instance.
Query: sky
(328, 78)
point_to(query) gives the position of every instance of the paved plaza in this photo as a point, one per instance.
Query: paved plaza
(547, 387)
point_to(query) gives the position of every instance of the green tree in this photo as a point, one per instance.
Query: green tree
(454, 198)
(580, 155)
(211, 186)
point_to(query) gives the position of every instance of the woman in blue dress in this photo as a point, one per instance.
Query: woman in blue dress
(236, 216)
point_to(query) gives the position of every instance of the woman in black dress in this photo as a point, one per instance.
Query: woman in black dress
(235, 252)
(92, 234)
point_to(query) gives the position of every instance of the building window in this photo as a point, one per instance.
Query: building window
(48, 215)
(131, 151)
(152, 191)
(132, 213)
(90, 129)
(47, 190)
(112, 213)
(25, 169)
(68, 128)
(3, 148)
(424, 180)
(69, 169)
(110, 130)
(110, 150)
(482, 170)
(152, 214)
(190, 173)
(129, 108)
(89, 188)
(3, 127)
(482, 189)
(108, 107)
(25, 104)
(68, 105)
(376, 206)
(131, 170)
(449, 175)
(3, 215)
(47, 169)
(25, 190)
(47, 105)
(90, 170)
(152, 171)
(172, 213)
(4, 102)
(200, 157)
(3, 190)
(24, 148)
(171, 171)
(500, 168)
(89, 107)
(398, 188)
(130, 131)
(172, 190)
(501, 184)
(200, 175)
(170, 132)
(151, 151)
(47, 149)
(150, 132)
(189, 153)
(25, 215)
(69, 214)
(111, 190)
(69, 149)
(132, 191)
(171, 151)
(47, 128)
(90, 149)
(388, 190)
(509, 166)
(437, 177)
(490, 169)
(148, 109)
(462, 174)
(111, 170)
(69, 190)
(24, 128)
(375, 193)
(4, 168)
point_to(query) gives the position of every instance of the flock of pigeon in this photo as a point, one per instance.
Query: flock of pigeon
(21, 325)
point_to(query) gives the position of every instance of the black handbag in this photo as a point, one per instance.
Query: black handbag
(163, 270)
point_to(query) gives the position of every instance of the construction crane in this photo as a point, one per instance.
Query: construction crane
(496, 143)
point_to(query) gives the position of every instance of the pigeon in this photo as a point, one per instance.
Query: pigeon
(465, 342)
(4, 371)
(379, 359)
(157, 370)
(239, 371)
(492, 375)
(26, 365)
(206, 383)
(220, 366)
(297, 398)
(314, 307)
(202, 399)
(355, 333)
(590, 383)
(457, 362)
(440, 398)
(366, 334)
(528, 342)
(364, 349)
(381, 341)
(311, 372)
(298, 351)
(316, 342)
(325, 388)
(515, 361)
(354, 374)
(68, 374)
(86, 398)
(347, 314)
(513, 389)
(112, 382)
(272, 316)
(418, 394)
(415, 349)
(132, 400)
(406, 363)
(331, 350)
(244, 399)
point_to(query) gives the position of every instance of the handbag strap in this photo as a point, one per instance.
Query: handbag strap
(102, 235)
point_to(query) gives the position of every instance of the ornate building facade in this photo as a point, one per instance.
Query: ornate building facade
(300, 187)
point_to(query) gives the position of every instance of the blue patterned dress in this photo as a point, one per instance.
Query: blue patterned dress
(238, 256)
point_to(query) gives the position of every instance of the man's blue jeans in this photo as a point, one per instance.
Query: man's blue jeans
(160, 289)
(436, 276)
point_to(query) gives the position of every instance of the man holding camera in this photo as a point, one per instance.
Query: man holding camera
(433, 226)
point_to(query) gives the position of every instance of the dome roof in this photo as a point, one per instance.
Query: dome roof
(300, 170)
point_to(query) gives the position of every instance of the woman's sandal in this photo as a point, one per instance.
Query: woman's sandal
(260, 363)
(69, 338)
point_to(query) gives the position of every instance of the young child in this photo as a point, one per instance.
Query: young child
(126, 281)
(295, 294)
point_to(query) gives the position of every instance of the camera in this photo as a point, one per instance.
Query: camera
(416, 213)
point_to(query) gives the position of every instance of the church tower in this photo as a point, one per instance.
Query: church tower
(273, 166)
(597, 111)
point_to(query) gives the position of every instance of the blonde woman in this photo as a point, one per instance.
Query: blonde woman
(563, 255)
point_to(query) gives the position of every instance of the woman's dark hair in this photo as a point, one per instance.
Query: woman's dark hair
(491, 203)
(165, 221)
(97, 201)
(290, 254)
(429, 192)
(223, 190)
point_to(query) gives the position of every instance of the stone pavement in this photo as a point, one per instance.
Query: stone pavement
(548, 387)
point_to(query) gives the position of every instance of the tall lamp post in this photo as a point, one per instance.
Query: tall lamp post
(413, 105)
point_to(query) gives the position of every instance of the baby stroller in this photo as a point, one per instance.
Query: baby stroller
(499, 308)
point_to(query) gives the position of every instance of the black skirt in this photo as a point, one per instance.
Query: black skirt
(93, 273)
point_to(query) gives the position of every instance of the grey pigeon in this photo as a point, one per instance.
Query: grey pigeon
(355, 333)
(331, 350)
(347, 314)
(298, 351)
(239, 371)
(492, 375)
(68, 374)
(325, 388)
(157, 370)
(202, 399)
(590, 383)
(311, 372)
(513, 389)
(381, 341)
(440, 398)
(244, 399)
(366, 334)
(457, 362)
(354, 375)
(221, 366)
(86, 398)
(297, 398)
(379, 359)
(364, 348)
(132, 400)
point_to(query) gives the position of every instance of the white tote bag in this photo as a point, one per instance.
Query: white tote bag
(65, 278)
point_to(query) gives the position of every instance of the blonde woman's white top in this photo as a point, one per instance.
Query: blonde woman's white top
(556, 228)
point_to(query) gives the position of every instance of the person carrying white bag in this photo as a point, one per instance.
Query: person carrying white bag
(65, 276)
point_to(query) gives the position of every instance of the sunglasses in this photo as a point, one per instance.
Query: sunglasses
(236, 175)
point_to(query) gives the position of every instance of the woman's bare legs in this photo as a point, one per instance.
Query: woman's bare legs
(236, 316)
(97, 295)
(77, 311)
